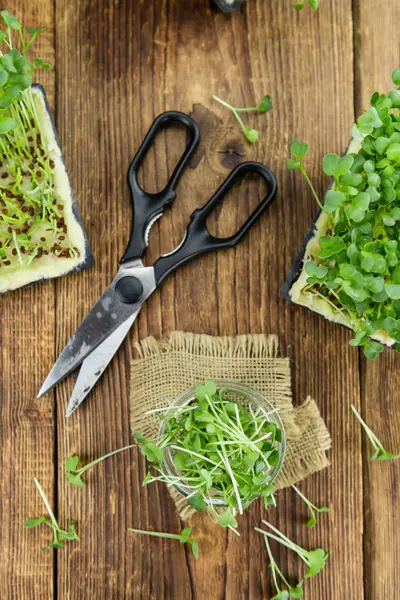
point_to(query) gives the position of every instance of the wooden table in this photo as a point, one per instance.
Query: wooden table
(117, 65)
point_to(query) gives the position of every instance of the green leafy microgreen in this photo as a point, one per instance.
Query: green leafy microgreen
(263, 106)
(74, 474)
(220, 449)
(311, 507)
(379, 451)
(353, 269)
(59, 535)
(183, 537)
(291, 592)
(314, 559)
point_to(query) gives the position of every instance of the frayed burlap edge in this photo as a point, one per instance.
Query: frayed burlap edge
(168, 366)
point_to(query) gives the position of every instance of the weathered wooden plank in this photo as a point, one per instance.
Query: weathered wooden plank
(126, 65)
(116, 97)
(27, 327)
(377, 54)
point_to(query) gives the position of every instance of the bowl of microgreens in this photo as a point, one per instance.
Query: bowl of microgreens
(221, 445)
(41, 233)
(348, 268)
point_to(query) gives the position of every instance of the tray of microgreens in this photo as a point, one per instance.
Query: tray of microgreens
(348, 268)
(218, 449)
(40, 229)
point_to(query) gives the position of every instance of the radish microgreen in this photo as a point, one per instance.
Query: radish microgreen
(379, 451)
(217, 452)
(311, 507)
(74, 474)
(354, 267)
(314, 559)
(59, 535)
(183, 537)
(291, 592)
(264, 105)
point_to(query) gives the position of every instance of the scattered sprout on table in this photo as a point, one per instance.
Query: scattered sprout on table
(379, 451)
(311, 507)
(264, 105)
(59, 535)
(74, 474)
(183, 537)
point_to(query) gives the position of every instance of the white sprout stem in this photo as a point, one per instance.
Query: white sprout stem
(302, 496)
(168, 408)
(234, 482)
(293, 546)
(374, 440)
(273, 563)
(46, 503)
(99, 460)
(193, 453)
(226, 104)
(238, 418)
(234, 530)
(287, 544)
(17, 247)
(233, 109)
(264, 437)
(169, 536)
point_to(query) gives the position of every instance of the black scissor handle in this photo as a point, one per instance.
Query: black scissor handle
(198, 240)
(147, 207)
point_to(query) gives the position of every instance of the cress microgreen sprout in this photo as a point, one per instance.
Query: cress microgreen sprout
(263, 106)
(311, 507)
(314, 559)
(59, 535)
(183, 537)
(217, 451)
(74, 474)
(379, 451)
(292, 591)
(354, 263)
(32, 224)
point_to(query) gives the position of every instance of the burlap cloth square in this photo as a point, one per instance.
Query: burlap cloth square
(171, 365)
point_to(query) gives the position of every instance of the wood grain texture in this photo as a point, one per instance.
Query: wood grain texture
(120, 64)
(27, 433)
(375, 59)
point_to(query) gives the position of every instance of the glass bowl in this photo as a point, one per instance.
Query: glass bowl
(243, 395)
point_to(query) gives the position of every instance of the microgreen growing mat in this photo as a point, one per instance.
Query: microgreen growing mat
(348, 268)
(40, 229)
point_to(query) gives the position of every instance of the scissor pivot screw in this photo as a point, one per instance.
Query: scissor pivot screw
(129, 290)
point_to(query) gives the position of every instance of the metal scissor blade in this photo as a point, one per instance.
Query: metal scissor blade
(104, 318)
(95, 364)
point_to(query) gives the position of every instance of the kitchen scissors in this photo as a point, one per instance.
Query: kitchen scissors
(103, 330)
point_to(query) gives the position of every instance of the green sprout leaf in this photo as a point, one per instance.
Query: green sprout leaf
(333, 200)
(183, 537)
(40, 62)
(396, 77)
(10, 20)
(34, 522)
(226, 518)
(265, 105)
(59, 534)
(312, 521)
(73, 473)
(379, 451)
(251, 135)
